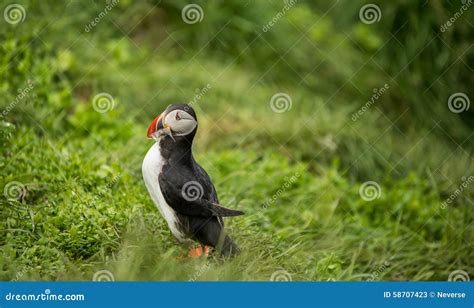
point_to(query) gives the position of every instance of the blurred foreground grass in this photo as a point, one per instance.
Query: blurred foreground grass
(74, 201)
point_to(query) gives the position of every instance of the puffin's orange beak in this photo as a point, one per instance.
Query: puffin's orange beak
(155, 125)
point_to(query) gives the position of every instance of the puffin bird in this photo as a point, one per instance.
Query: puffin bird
(180, 187)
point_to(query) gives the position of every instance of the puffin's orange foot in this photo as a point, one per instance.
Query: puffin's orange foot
(199, 251)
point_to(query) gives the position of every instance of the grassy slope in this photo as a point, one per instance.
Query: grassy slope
(87, 209)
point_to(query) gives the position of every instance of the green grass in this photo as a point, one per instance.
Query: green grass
(297, 174)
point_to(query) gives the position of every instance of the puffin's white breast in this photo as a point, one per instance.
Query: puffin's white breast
(151, 169)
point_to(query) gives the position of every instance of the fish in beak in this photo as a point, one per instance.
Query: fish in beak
(156, 129)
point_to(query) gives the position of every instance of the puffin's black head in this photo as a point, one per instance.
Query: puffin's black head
(178, 120)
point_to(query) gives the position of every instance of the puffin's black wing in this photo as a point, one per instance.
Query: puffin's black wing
(199, 207)
(209, 191)
(172, 186)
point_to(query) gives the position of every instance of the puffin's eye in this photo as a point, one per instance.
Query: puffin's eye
(177, 116)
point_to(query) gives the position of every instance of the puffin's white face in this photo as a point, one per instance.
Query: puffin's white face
(177, 122)
(180, 122)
